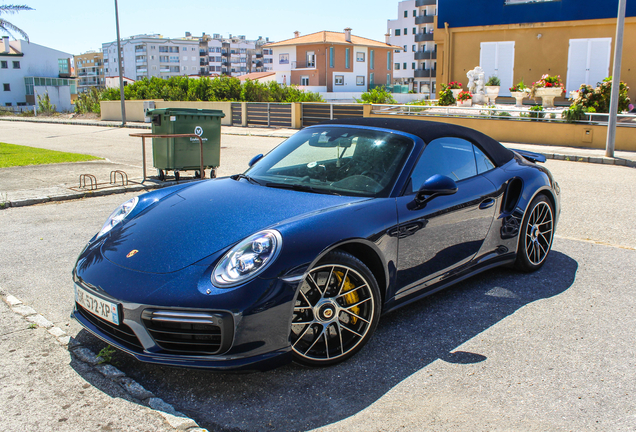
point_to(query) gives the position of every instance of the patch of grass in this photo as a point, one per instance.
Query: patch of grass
(107, 354)
(17, 155)
(32, 326)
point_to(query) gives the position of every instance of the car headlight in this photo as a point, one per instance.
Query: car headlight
(118, 215)
(247, 259)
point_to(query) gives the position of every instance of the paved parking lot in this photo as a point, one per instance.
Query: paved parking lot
(553, 350)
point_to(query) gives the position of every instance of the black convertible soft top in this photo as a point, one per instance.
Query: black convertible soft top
(431, 130)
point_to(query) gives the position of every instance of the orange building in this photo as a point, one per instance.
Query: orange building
(332, 62)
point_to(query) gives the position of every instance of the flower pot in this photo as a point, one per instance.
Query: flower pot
(465, 104)
(547, 95)
(456, 92)
(519, 96)
(492, 92)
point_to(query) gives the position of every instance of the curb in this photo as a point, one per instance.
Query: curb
(174, 418)
(81, 195)
(590, 159)
(132, 126)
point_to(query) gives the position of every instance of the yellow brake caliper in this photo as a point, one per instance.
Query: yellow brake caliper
(351, 298)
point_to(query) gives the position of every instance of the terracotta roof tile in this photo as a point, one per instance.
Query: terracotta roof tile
(331, 38)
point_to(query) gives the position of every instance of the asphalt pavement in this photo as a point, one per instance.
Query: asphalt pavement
(552, 350)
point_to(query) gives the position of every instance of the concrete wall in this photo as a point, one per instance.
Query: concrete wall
(546, 133)
(111, 110)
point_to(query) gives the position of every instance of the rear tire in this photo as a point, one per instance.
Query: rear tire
(536, 235)
(336, 312)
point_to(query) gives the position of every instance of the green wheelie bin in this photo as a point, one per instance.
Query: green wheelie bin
(184, 154)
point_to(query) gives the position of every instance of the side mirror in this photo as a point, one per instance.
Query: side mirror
(435, 186)
(255, 159)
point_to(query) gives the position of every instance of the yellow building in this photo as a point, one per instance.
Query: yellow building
(523, 40)
(89, 68)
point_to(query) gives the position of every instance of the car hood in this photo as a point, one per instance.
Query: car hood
(205, 218)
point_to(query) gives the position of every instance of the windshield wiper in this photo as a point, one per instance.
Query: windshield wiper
(248, 178)
(301, 188)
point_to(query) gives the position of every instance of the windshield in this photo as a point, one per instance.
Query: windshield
(338, 160)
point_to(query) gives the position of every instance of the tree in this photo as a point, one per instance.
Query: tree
(6, 26)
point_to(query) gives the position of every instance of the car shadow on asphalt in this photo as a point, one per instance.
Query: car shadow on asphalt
(406, 341)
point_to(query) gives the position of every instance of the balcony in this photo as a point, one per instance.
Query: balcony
(425, 73)
(426, 55)
(419, 3)
(424, 37)
(425, 19)
(142, 50)
(303, 65)
(141, 62)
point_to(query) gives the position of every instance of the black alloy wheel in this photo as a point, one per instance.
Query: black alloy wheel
(537, 233)
(336, 311)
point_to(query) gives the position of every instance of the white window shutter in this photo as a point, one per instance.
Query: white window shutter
(505, 66)
(488, 58)
(578, 65)
(600, 52)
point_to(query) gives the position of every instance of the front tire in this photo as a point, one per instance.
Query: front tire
(336, 311)
(536, 235)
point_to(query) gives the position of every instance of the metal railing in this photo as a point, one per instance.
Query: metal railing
(16, 109)
(485, 112)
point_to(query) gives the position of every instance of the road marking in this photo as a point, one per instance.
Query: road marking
(602, 243)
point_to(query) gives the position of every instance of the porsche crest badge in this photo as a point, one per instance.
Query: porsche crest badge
(132, 253)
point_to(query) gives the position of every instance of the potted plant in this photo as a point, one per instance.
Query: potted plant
(519, 91)
(445, 96)
(492, 88)
(547, 88)
(464, 99)
(455, 87)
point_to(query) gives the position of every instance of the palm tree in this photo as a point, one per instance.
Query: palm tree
(6, 26)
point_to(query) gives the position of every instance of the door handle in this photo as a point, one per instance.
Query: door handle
(486, 204)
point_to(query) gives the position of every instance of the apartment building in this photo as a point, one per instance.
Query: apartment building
(146, 56)
(413, 30)
(89, 69)
(28, 70)
(332, 62)
(525, 39)
(232, 56)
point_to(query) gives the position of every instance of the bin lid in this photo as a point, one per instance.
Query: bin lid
(185, 112)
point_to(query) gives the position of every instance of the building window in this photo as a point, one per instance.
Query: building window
(339, 79)
(414, 30)
(414, 13)
(406, 32)
(371, 78)
(304, 80)
(7, 87)
(372, 59)
(397, 66)
(62, 64)
(397, 32)
(347, 58)
(360, 56)
(414, 48)
(8, 104)
(16, 65)
(405, 49)
(4, 64)
(360, 80)
(388, 60)
(388, 79)
(331, 57)
(413, 65)
(404, 66)
(406, 14)
(283, 59)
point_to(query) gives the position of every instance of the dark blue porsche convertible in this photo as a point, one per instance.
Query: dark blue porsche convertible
(297, 258)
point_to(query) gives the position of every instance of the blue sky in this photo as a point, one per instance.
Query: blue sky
(77, 26)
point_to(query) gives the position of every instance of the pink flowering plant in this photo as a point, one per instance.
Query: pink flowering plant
(454, 85)
(464, 96)
(548, 81)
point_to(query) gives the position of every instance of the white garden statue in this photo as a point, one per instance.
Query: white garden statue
(476, 81)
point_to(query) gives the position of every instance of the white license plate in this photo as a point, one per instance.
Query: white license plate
(98, 307)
